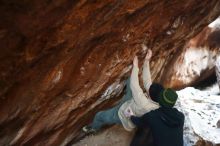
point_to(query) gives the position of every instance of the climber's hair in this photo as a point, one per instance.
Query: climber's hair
(155, 90)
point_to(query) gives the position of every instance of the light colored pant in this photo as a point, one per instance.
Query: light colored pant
(110, 116)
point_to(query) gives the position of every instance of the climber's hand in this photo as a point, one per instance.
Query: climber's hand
(135, 61)
(148, 55)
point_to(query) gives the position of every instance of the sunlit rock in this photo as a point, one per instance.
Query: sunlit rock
(197, 60)
(217, 70)
(202, 112)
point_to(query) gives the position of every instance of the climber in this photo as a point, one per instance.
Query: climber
(133, 102)
(165, 123)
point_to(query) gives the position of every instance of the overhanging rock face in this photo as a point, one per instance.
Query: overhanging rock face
(196, 62)
(61, 59)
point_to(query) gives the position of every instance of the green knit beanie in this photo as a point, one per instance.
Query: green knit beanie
(168, 98)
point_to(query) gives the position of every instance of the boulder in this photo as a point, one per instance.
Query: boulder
(62, 61)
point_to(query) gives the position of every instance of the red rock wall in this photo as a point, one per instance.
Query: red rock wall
(61, 59)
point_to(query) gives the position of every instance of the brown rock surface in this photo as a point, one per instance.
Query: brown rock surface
(196, 62)
(58, 57)
(114, 136)
(217, 71)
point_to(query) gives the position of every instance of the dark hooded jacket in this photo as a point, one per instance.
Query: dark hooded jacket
(143, 137)
(166, 125)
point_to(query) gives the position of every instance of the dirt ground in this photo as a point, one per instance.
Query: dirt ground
(114, 136)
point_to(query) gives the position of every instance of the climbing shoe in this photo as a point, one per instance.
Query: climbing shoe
(89, 130)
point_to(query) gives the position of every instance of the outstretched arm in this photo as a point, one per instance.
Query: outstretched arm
(146, 71)
(137, 92)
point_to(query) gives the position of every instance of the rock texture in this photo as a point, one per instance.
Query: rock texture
(197, 60)
(217, 71)
(116, 135)
(60, 60)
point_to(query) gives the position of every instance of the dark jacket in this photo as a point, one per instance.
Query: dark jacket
(142, 137)
(166, 125)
